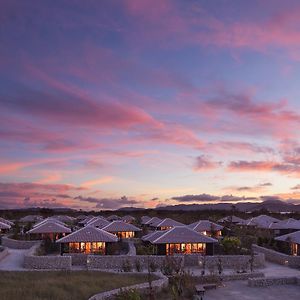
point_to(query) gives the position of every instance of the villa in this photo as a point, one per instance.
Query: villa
(49, 230)
(121, 229)
(4, 227)
(112, 218)
(145, 219)
(285, 226)
(128, 219)
(292, 240)
(166, 224)
(98, 222)
(262, 222)
(180, 240)
(31, 219)
(231, 219)
(207, 228)
(152, 222)
(10, 223)
(87, 240)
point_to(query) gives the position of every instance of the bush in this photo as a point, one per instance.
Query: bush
(138, 265)
(170, 266)
(126, 266)
(231, 245)
(128, 294)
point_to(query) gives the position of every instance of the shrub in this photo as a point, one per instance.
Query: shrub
(126, 266)
(128, 294)
(170, 266)
(231, 245)
(138, 265)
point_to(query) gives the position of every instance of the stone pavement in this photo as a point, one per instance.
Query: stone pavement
(14, 260)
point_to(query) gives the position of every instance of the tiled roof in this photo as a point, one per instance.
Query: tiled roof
(286, 224)
(153, 221)
(152, 236)
(88, 234)
(128, 218)
(50, 219)
(2, 220)
(113, 218)
(145, 219)
(120, 226)
(98, 222)
(205, 225)
(291, 237)
(50, 227)
(180, 234)
(169, 223)
(262, 221)
(64, 218)
(31, 218)
(232, 219)
(4, 226)
(86, 220)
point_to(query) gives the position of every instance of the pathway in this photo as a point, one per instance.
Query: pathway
(132, 249)
(14, 260)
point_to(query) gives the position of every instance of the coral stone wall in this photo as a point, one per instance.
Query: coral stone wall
(31, 261)
(277, 257)
(17, 244)
(268, 281)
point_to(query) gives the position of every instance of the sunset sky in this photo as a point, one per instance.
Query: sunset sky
(164, 102)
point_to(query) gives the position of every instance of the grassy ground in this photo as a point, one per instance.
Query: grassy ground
(61, 285)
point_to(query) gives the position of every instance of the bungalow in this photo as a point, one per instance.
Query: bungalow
(31, 219)
(10, 223)
(262, 222)
(128, 219)
(88, 240)
(112, 218)
(64, 219)
(167, 224)
(121, 229)
(4, 227)
(293, 240)
(145, 219)
(207, 227)
(49, 230)
(98, 222)
(285, 226)
(50, 219)
(230, 220)
(85, 221)
(180, 240)
(153, 222)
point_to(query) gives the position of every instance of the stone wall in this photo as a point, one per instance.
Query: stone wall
(277, 257)
(228, 261)
(78, 259)
(117, 262)
(268, 281)
(31, 261)
(3, 253)
(17, 244)
(157, 285)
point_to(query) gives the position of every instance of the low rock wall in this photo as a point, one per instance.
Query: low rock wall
(228, 261)
(17, 244)
(268, 281)
(117, 262)
(157, 285)
(3, 253)
(78, 259)
(31, 261)
(277, 257)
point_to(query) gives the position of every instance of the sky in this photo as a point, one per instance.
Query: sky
(145, 103)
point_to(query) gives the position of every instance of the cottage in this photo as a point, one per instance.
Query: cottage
(85, 221)
(128, 219)
(180, 240)
(262, 222)
(231, 220)
(292, 240)
(285, 226)
(166, 224)
(50, 219)
(98, 222)
(88, 240)
(153, 222)
(10, 223)
(31, 219)
(112, 218)
(4, 227)
(121, 229)
(49, 230)
(145, 219)
(207, 227)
